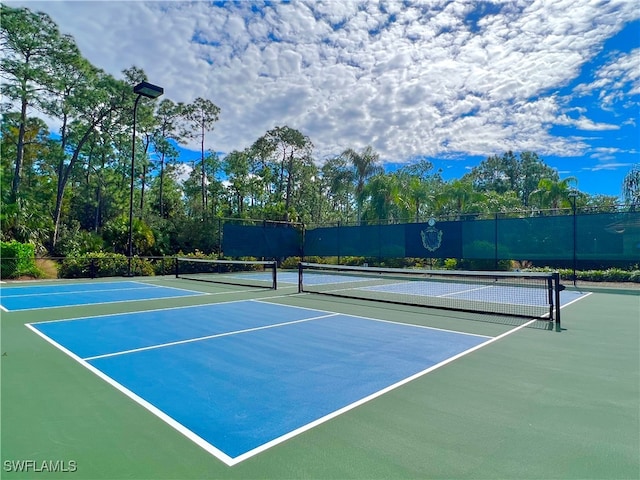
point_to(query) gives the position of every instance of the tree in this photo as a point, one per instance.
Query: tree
(285, 151)
(386, 200)
(365, 165)
(509, 172)
(553, 194)
(32, 46)
(338, 189)
(24, 221)
(631, 186)
(90, 103)
(236, 168)
(168, 116)
(418, 185)
(202, 115)
(459, 197)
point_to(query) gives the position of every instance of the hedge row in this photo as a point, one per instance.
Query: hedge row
(93, 265)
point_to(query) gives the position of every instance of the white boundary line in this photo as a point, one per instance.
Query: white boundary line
(139, 311)
(197, 294)
(231, 461)
(162, 286)
(148, 287)
(142, 402)
(577, 299)
(58, 285)
(376, 319)
(364, 400)
(206, 337)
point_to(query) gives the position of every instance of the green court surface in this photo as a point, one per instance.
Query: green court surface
(534, 404)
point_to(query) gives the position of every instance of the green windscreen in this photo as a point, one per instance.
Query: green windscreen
(585, 237)
(269, 240)
(608, 236)
(535, 238)
(361, 241)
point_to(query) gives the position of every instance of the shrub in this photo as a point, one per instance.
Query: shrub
(450, 264)
(290, 262)
(616, 275)
(139, 267)
(591, 276)
(18, 259)
(104, 265)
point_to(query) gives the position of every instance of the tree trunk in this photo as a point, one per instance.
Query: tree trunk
(63, 178)
(15, 185)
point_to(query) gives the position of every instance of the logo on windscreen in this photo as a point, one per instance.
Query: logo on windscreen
(431, 236)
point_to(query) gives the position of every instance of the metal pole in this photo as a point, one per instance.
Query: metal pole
(495, 238)
(133, 156)
(575, 261)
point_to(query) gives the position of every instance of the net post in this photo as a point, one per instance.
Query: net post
(175, 267)
(274, 274)
(557, 288)
(300, 289)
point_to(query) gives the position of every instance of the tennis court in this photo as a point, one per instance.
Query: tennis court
(202, 380)
(50, 296)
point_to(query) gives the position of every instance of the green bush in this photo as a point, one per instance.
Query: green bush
(163, 265)
(102, 264)
(591, 276)
(140, 267)
(616, 275)
(290, 262)
(17, 259)
(450, 264)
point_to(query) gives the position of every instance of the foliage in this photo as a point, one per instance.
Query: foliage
(17, 259)
(511, 173)
(613, 275)
(103, 265)
(116, 236)
(450, 264)
(76, 242)
(631, 186)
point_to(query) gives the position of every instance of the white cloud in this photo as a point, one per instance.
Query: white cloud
(617, 80)
(410, 79)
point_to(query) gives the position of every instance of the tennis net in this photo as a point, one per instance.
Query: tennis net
(517, 294)
(233, 272)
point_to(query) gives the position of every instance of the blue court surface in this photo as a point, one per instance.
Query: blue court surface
(66, 295)
(240, 377)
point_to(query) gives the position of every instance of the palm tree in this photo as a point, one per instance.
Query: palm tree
(365, 166)
(554, 194)
(459, 197)
(386, 199)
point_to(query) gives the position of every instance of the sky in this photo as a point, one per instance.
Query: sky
(452, 82)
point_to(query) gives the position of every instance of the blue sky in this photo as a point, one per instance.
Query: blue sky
(450, 81)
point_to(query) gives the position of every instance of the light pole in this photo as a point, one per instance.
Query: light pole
(143, 89)
(573, 194)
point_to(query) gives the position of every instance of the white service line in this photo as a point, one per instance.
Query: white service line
(206, 337)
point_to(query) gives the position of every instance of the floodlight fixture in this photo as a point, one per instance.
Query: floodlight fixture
(149, 90)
